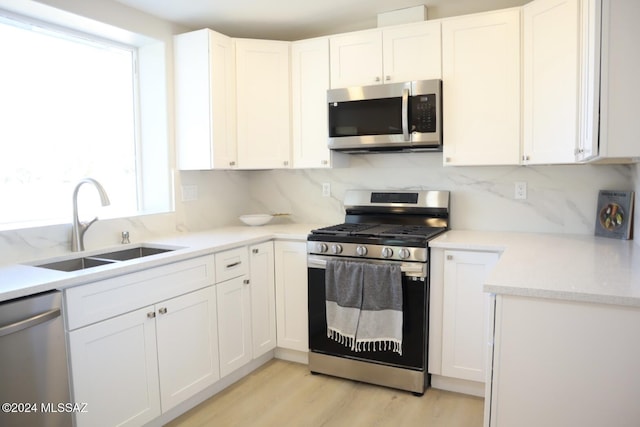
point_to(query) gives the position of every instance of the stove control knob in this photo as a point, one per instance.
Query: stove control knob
(322, 247)
(336, 249)
(361, 250)
(387, 252)
(404, 253)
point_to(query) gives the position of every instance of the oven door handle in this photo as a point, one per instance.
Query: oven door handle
(411, 269)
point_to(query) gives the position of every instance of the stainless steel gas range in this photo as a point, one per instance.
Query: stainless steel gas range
(382, 228)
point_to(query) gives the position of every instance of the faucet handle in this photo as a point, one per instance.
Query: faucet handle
(125, 237)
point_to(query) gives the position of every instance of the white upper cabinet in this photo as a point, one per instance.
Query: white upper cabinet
(205, 101)
(551, 70)
(481, 88)
(396, 54)
(620, 91)
(309, 84)
(356, 59)
(262, 76)
(412, 52)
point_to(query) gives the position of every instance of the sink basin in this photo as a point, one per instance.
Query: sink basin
(75, 264)
(132, 253)
(84, 262)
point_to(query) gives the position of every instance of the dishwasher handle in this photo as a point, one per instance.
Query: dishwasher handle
(30, 322)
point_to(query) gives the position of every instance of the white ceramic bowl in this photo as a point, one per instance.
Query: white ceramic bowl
(256, 219)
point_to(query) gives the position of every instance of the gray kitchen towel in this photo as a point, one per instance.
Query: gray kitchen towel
(364, 305)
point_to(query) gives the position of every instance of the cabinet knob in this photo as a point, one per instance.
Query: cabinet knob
(447, 159)
(324, 162)
(286, 162)
(449, 257)
(377, 78)
(387, 78)
(255, 250)
(151, 314)
(525, 158)
(246, 281)
(163, 310)
(232, 163)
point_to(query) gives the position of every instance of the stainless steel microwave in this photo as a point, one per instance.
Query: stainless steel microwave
(389, 117)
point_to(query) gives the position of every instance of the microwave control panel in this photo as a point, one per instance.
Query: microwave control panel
(423, 113)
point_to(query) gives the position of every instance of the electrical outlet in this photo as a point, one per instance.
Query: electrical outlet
(189, 193)
(326, 189)
(521, 191)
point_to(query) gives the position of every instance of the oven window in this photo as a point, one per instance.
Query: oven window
(367, 117)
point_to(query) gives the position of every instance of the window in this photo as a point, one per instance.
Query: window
(68, 110)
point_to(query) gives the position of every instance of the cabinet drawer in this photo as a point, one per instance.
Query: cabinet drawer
(108, 298)
(231, 263)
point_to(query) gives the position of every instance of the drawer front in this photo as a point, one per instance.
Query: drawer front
(232, 263)
(111, 297)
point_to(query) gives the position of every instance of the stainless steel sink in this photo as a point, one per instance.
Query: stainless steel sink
(90, 261)
(75, 264)
(127, 254)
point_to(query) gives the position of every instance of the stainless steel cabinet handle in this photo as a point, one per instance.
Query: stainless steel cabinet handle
(151, 314)
(377, 78)
(255, 251)
(449, 257)
(232, 163)
(30, 322)
(246, 281)
(387, 78)
(163, 310)
(233, 264)
(324, 162)
(286, 162)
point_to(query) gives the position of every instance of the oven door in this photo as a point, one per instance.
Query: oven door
(415, 293)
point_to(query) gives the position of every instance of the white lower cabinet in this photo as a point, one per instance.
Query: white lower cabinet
(560, 363)
(131, 368)
(187, 362)
(263, 298)
(291, 295)
(114, 370)
(465, 316)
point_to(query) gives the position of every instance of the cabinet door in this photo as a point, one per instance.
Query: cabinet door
(481, 89)
(263, 298)
(263, 103)
(234, 324)
(309, 84)
(114, 369)
(205, 100)
(356, 59)
(187, 338)
(465, 314)
(412, 52)
(551, 81)
(291, 295)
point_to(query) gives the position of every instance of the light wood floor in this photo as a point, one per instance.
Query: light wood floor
(286, 394)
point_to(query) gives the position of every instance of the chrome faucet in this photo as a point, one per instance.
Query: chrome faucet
(79, 228)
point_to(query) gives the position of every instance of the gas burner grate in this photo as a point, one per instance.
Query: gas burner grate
(411, 231)
(346, 229)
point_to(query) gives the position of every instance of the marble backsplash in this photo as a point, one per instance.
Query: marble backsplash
(561, 199)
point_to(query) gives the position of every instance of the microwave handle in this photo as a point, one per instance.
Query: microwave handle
(405, 114)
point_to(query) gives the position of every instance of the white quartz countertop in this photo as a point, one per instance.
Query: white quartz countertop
(22, 279)
(566, 267)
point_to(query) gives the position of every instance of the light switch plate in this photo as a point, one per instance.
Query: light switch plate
(189, 193)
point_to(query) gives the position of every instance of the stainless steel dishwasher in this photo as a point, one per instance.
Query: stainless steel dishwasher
(34, 376)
